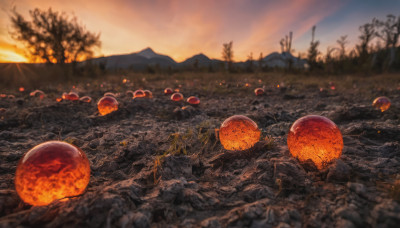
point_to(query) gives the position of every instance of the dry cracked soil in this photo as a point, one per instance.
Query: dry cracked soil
(154, 164)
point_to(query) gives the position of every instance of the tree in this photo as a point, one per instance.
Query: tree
(389, 30)
(227, 54)
(367, 34)
(250, 62)
(260, 61)
(53, 37)
(286, 43)
(313, 50)
(342, 41)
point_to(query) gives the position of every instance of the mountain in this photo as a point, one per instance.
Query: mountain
(137, 60)
(147, 57)
(202, 61)
(282, 60)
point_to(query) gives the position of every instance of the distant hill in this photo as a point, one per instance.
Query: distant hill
(202, 61)
(139, 59)
(282, 60)
(147, 57)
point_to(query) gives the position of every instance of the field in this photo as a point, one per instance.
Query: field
(154, 164)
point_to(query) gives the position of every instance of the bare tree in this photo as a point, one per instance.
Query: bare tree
(260, 61)
(388, 31)
(227, 54)
(367, 34)
(286, 43)
(53, 37)
(313, 49)
(342, 41)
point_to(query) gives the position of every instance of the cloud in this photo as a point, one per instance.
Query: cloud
(182, 28)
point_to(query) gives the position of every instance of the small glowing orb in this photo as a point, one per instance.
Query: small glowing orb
(3, 110)
(129, 93)
(382, 103)
(239, 133)
(10, 96)
(107, 105)
(72, 96)
(139, 93)
(64, 96)
(259, 91)
(3, 95)
(193, 100)
(316, 138)
(110, 94)
(124, 80)
(59, 99)
(51, 170)
(21, 89)
(247, 85)
(37, 93)
(86, 99)
(148, 94)
(168, 91)
(177, 97)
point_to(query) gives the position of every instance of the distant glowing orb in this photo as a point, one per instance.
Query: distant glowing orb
(148, 94)
(259, 91)
(107, 105)
(177, 97)
(139, 93)
(168, 91)
(86, 99)
(382, 103)
(193, 100)
(316, 138)
(50, 171)
(37, 93)
(239, 133)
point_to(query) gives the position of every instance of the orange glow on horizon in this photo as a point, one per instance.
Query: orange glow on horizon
(10, 56)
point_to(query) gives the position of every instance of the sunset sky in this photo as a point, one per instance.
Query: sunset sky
(183, 28)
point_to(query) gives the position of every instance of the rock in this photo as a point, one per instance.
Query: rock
(339, 171)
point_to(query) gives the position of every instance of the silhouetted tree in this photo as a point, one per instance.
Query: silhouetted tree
(260, 61)
(250, 62)
(286, 43)
(53, 37)
(342, 42)
(227, 54)
(313, 50)
(367, 34)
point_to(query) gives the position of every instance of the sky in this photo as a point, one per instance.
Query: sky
(183, 28)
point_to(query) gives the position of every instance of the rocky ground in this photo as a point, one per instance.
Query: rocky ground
(156, 165)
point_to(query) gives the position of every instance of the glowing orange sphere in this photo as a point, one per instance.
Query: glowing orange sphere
(72, 96)
(107, 105)
(168, 91)
(239, 133)
(177, 97)
(64, 96)
(382, 103)
(110, 94)
(148, 94)
(316, 138)
(129, 93)
(51, 170)
(3, 95)
(259, 91)
(139, 93)
(21, 89)
(59, 99)
(86, 99)
(37, 93)
(193, 100)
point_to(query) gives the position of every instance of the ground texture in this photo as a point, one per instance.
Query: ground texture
(154, 164)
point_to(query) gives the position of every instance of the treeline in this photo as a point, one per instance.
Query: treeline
(376, 50)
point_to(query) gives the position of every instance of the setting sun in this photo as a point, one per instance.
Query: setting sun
(7, 56)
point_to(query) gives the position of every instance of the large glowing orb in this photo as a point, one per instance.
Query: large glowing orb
(239, 133)
(51, 170)
(316, 138)
(382, 103)
(107, 105)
